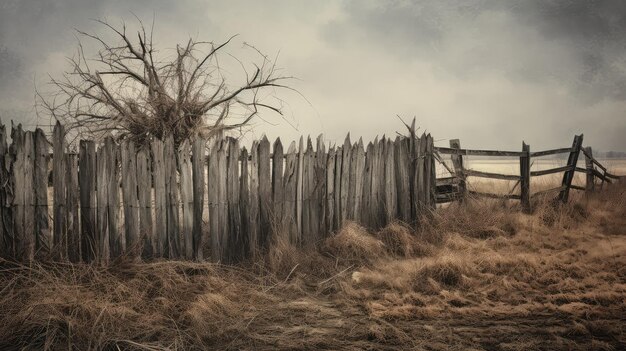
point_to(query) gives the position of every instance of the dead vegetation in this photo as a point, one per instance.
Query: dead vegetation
(478, 276)
(131, 88)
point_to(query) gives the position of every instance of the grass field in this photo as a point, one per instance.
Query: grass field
(482, 276)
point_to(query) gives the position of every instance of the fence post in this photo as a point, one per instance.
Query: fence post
(130, 197)
(87, 184)
(199, 166)
(73, 228)
(58, 180)
(185, 181)
(6, 230)
(299, 188)
(413, 155)
(589, 183)
(457, 162)
(568, 176)
(265, 193)
(524, 166)
(213, 199)
(144, 187)
(43, 236)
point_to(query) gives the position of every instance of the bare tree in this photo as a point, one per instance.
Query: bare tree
(131, 90)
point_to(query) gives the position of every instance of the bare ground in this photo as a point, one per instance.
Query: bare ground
(481, 276)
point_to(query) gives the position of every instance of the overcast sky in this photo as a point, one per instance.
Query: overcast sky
(489, 72)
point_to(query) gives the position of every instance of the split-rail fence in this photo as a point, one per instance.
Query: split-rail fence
(455, 187)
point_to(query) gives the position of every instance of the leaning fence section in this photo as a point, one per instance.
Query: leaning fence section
(202, 199)
(454, 187)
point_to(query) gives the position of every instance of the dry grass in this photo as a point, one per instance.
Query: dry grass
(481, 276)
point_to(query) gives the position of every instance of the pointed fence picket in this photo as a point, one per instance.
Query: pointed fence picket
(202, 199)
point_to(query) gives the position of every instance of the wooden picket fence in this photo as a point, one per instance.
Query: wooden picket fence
(202, 199)
(455, 188)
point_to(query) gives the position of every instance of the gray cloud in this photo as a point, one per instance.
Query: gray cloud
(490, 72)
(578, 43)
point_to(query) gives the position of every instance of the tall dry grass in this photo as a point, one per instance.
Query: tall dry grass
(478, 275)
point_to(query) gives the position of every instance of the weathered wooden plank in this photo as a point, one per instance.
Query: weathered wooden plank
(144, 195)
(551, 152)
(160, 195)
(524, 166)
(337, 189)
(307, 194)
(300, 189)
(602, 177)
(589, 180)
(420, 181)
(358, 164)
(198, 168)
(289, 209)
(73, 217)
(389, 191)
(59, 191)
(102, 232)
(173, 249)
(186, 198)
(402, 164)
(87, 179)
(319, 198)
(330, 190)
(426, 156)
(447, 181)
(432, 176)
(130, 197)
(459, 169)
(235, 240)
(468, 152)
(352, 176)
(551, 171)
(43, 235)
(413, 176)
(28, 237)
(366, 200)
(244, 203)
(446, 189)
(253, 213)
(223, 230)
(613, 176)
(265, 193)
(116, 239)
(345, 179)
(6, 196)
(278, 198)
(474, 173)
(18, 201)
(378, 183)
(593, 160)
(374, 201)
(417, 182)
(213, 181)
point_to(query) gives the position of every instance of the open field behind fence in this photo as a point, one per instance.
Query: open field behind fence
(219, 201)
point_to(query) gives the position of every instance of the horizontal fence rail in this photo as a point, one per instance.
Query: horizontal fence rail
(454, 188)
(202, 199)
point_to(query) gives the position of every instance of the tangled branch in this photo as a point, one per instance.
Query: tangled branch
(130, 91)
